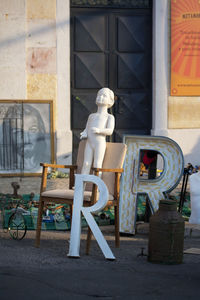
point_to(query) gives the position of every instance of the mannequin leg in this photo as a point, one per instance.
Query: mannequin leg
(88, 157)
(98, 161)
(99, 155)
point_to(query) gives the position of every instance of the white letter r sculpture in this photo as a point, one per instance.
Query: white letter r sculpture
(99, 125)
(86, 211)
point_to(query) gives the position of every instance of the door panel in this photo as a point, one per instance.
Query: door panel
(132, 33)
(134, 104)
(131, 71)
(89, 70)
(112, 48)
(83, 105)
(90, 32)
(132, 109)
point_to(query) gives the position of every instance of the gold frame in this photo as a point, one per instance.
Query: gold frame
(52, 133)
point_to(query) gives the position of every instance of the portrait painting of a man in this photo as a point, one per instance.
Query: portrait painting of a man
(25, 137)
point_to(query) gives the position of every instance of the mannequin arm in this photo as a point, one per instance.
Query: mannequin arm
(109, 127)
(83, 134)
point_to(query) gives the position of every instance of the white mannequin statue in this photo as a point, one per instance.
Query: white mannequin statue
(194, 180)
(99, 125)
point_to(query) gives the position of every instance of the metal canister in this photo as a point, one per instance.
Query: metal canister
(166, 234)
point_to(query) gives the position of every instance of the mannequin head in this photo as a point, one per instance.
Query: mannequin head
(105, 97)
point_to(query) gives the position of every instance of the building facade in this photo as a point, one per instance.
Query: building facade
(37, 63)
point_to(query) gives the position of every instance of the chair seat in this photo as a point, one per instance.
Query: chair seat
(69, 194)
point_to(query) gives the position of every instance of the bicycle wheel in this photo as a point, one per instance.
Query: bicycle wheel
(17, 226)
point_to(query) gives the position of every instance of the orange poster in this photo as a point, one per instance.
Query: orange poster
(185, 47)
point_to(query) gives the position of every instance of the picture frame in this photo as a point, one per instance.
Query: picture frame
(26, 136)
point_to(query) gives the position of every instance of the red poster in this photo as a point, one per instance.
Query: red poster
(185, 47)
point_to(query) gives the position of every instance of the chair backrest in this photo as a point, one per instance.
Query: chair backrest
(80, 155)
(113, 159)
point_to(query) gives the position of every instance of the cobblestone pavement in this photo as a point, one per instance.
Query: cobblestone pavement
(45, 273)
(33, 273)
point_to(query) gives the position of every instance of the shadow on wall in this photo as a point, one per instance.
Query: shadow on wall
(23, 36)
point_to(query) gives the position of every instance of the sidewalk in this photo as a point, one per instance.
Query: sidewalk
(47, 273)
(31, 273)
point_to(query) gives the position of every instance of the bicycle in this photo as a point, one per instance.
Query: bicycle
(16, 223)
(13, 215)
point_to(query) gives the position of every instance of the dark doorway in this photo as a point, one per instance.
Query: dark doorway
(112, 47)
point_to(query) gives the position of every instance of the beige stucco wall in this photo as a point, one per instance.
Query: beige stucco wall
(12, 49)
(184, 112)
(41, 64)
(35, 64)
(35, 60)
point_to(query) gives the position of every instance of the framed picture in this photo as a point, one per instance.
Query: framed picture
(26, 135)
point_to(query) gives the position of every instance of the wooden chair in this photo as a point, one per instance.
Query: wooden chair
(111, 172)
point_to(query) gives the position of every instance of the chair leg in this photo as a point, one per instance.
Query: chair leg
(117, 241)
(39, 223)
(88, 242)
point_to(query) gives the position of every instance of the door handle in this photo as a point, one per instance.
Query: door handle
(120, 109)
